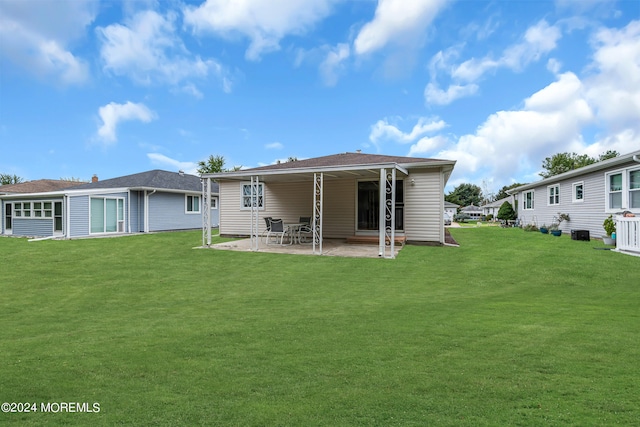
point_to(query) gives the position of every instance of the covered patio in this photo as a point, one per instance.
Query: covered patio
(345, 195)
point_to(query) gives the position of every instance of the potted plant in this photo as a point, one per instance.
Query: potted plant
(609, 226)
(557, 220)
(544, 229)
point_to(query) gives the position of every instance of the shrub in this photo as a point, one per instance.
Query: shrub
(506, 212)
(530, 227)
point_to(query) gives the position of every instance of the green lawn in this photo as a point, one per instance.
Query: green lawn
(511, 328)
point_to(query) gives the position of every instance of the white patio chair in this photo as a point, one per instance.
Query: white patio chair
(276, 231)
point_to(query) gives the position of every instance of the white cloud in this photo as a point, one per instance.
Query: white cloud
(614, 88)
(537, 41)
(396, 21)
(147, 50)
(112, 114)
(383, 131)
(510, 142)
(175, 165)
(274, 146)
(428, 145)
(36, 35)
(334, 63)
(434, 95)
(264, 22)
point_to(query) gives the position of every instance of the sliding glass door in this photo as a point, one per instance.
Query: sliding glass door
(369, 205)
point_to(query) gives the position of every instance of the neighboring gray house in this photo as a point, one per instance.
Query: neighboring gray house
(145, 202)
(588, 195)
(346, 194)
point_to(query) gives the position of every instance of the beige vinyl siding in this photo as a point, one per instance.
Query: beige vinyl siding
(339, 208)
(424, 206)
(290, 201)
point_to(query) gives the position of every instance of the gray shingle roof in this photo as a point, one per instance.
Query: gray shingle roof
(154, 179)
(345, 159)
(37, 186)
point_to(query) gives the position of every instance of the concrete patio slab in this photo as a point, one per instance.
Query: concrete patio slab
(330, 247)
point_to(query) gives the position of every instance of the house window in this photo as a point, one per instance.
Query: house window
(577, 191)
(614, 190)
(528, 200)
(193, 204)
(554, 194)
(107, 215)
(634, 189)
(258, 198)
(214, 203)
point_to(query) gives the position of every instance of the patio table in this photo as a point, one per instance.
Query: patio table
(294, 231)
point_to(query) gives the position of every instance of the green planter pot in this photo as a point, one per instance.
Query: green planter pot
(556, 233)
(544, 230)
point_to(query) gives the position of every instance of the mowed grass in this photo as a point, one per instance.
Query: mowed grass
(511, 328)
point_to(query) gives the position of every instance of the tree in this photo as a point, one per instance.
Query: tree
(502, 194)
(6, 179)
(212, 165)
(565, 162)
(465, 195)
(506, 212)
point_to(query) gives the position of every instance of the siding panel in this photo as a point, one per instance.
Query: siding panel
(424, 207)
(33, 227)
(167, 212)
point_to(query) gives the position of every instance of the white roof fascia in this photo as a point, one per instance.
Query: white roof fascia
(577, 172)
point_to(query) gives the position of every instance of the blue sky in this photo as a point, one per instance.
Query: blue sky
(112, 88)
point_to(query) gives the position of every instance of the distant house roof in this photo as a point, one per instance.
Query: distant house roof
(497, 203)
(336, 165)
(151, 180)
(37, 186)
(471, 208)
(450, 205)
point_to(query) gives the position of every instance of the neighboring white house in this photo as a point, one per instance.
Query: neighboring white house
(474, 212)
(450, 209)
(348, 194)
(144, 202)
(494, 207)
(588, 195)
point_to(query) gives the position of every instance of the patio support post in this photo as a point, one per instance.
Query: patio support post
(318, 183)
(255, 209)
(387, 222)
(206, 212)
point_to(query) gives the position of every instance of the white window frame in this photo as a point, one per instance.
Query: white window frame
(574, 192)
(244, 198)
(214, 203)
(36, 209)
(553, 195)
(119, 218)
(608, 192)
(188, 208)
(524, 200)
(629, 190)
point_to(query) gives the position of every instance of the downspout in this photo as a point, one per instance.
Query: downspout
(636, 158)
(129, 211)
(146, 209)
